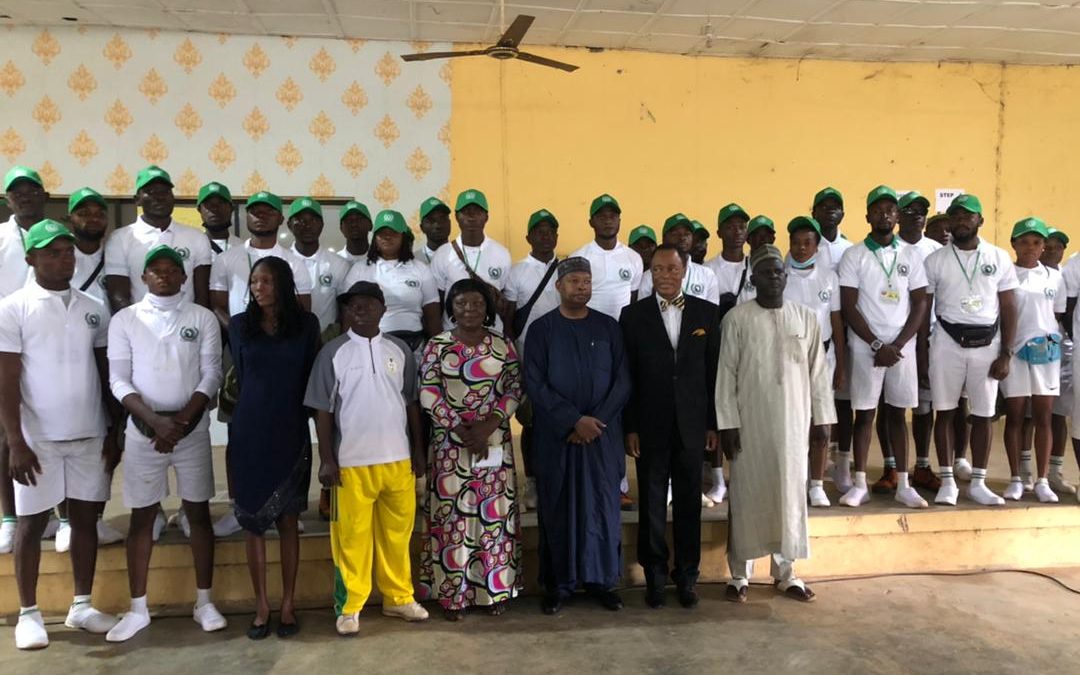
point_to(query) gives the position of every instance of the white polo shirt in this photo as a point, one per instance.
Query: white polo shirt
(165, 352)
(525, 277)
(327, 272)
(884, 277)
(817, 289)
(125, 253)
(1040, 295)
(698, 282)
(232, 268)
(407, 286)
(965, 284)
(350, 258)
(833, 251)
(1070, 272)
(223, 244)
(85, 266)
(424, 254)
(728, 274)
(925, 246)
(367, 384)
(615, 275)
(14, 272)
(490, 260)
(61, 387)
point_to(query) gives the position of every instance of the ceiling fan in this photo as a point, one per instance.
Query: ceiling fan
(505, 48)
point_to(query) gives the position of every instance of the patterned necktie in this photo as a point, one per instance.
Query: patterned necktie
(677, 303)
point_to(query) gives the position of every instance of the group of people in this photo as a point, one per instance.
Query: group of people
(412, 358)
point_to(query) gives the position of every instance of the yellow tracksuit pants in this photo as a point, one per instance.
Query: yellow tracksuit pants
(371, 522)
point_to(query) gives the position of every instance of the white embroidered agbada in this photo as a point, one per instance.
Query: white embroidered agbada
(772, 381)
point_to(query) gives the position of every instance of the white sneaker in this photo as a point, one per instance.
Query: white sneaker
(209, 618)
(63, 537)
(983, 495)
(348, 624)
(130, 624)
(185, 526)
(1059, 484)
(706, 503)
(947, 494)
(961, 469)
(910, 498)
(717, 494)
(226, 525)
(107, 534)
(530, 494)
(89, 619)
(818, 498)
(1014, 491)
(7, 536)
(1045, 494)
(51, 528)
(411, 611)
(1028, 482)
(856, 497)
(159, 524)
(842, 479)
(30, 632)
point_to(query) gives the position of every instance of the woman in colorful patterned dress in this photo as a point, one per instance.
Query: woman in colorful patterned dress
(470, 385)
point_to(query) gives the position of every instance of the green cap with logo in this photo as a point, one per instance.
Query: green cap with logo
(85, 195)
(353, 206)
(149, 175)
(431, 204)
(602, 201)
(699, 228)
(1030, 225)
(542, 216)
(803, 222)
(21, 173)
(390, 219)
(163, 251)
(213, 189)
(730, 210)
(909, 198)
(264, 197)
(642, 231)
(758, 222)
(1058, 234)
(471, 197)
(43, 233)
(879, 193)
(305, 204)
(826, 193)
(966, 202)
(676, 220)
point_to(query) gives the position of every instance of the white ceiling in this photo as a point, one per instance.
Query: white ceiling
(1043, 32)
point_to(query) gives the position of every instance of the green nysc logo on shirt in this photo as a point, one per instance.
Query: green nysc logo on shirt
(184, 252)
(326, 280)
(902, 269)
(697, 289)
(494, 272)
(624, 274)
(1050, 293)
(93, 319)
(825, 295)
(989, 270)
(412, 283)
(189, 334)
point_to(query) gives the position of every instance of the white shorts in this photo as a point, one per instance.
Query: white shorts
(146, 471)
(69, 470)
(956, 372)
(1028, 379)
(900, 383)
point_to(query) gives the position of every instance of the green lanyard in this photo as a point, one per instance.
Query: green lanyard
(475, 266)
(970, 278)
(892, 268)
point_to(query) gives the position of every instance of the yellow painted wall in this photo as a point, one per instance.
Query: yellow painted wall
(670, 133)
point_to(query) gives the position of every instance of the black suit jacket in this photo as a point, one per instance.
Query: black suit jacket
(671, 386)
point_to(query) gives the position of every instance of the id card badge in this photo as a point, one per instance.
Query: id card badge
(890, 296)
(971, 304)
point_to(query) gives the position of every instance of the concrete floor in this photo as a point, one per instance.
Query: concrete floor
(998, 623)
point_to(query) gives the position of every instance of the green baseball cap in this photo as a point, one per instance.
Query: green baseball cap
(879, 193)
(730, 210)
(677, 220)
(801, 222)
(1030, 225)
(43, 233)
(353, 206)
(602, 201)
(430, 204)
(213, 189)
(471, 197)
(542, 216)
(909, 198)
(967, 202)
(758, 222)
(83, 195)
(21, 173)
(264, 197)
(698, 227)
(151, 174)
(1058, 234)
(163, 251)
(825, 193)
(642, 231)
(305, 204)
(391, 219)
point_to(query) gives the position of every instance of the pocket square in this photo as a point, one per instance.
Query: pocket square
(698, 332)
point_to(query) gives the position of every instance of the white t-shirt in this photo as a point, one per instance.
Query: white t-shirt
(85, 265)
(61, 386)
(884, 277)
(817, 289)
(965, 284)
(350, 258)
(698, 282)
(1070, 272)
(232, 268)
(14, 272)
(525, 276)
(223, 244)
(165, 354)
(125, 253)
(615, 275)
(490, 260)
(925, 246)
(327, 272)
(1040, 295)
(831, 252)
(728, 274)
(407, 287)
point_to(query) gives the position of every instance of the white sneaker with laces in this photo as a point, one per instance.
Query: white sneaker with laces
(30, 632)
(348, 624)
(63, 537)
(411, 611)
(209, 618)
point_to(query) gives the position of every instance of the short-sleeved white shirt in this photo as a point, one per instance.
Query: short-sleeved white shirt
(832, 252)
(327, 272)
(232, 268)
(407, 287)
(884, 300)
(991, 272)
(698, 282)
(350, 258)
(1070, 272)
(126, 248)
(817, 289)
(85, 264)
(1040, 295)
(925, 246)
(729, 274)
(224, 244)
(424, 254)
(14, 272)
(615, 275)
(525, 277)
(490, 260)
(61, 387)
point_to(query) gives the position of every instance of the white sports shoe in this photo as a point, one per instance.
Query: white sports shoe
(1045, 494)
(209, 618)
(159, 524)
(348, 624)
(63, 538)
(717, 494)
(226, 525)
(818, 498)
(7, 536)
(30, 632)
(1059, 484)
(107, 534)
(411, 611)
(89, 619)
(961, 469)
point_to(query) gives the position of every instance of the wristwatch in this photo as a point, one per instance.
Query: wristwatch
(876, 345)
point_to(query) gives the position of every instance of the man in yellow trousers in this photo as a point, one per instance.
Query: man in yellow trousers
(364, 391)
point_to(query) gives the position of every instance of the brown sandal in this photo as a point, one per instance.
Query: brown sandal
(800, 593)
(735, 594)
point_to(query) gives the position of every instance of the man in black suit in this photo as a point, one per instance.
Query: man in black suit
(672, 348)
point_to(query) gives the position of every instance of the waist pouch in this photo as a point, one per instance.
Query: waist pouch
(1043, 349)
(970, 336)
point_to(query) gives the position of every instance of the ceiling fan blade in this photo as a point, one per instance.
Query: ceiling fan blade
(428, 56)
(516, 31)
(551, 63)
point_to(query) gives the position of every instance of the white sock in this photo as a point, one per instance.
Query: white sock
(890, 462)
(1015, 489)
(860, 480)
(946, 475)
(624, 485)
(717, 476)
(1044, 493)
(902, 480)
(33, 609)
(843, 461)
(816, 483)
(922, 462)
(138, 605)
(978, 491)
(202, 596)
(1056, 464)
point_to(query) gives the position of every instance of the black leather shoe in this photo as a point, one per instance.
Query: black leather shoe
(551, 604)
(654, 597)
(688, 596)
(287, 630)
(608, 599)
